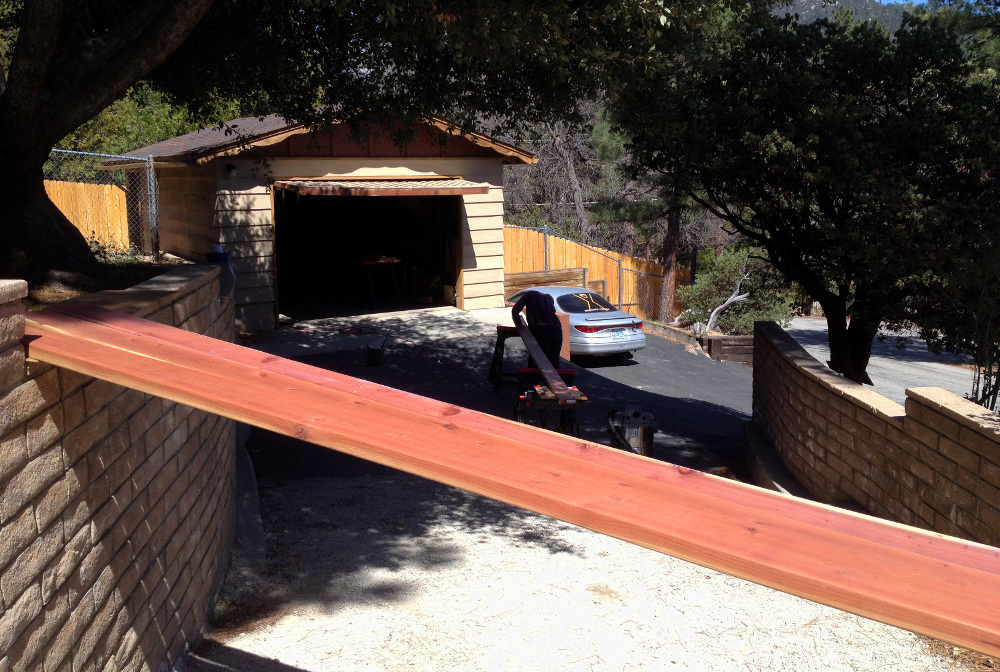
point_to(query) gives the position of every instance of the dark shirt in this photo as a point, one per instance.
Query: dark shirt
(540, 308)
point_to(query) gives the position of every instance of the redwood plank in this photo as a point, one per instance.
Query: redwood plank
(188, 349)
(549, 373)
(922, 581)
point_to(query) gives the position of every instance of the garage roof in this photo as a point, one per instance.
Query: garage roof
(240, 135)
(383, 187)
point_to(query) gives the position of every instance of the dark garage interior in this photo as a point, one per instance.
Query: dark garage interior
(339, 255)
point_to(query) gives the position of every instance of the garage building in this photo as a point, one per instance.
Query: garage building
(317, 222)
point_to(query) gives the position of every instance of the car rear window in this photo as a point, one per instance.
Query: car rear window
(584, 302)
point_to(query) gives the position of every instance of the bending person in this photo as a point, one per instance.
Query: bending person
(542, 321)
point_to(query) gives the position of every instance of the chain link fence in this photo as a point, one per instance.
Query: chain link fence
(111, 199)
(643, 292)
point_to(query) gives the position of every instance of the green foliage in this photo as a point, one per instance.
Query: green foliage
(977, 22)
(770, 297)
(388, 62)
(142, 117)
(960, 311)
(889, 15)
(857, 160)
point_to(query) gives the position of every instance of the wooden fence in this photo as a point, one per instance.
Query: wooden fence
(638, 280)
(99, 211)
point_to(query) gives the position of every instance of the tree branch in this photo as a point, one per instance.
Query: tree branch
(93, 72)
(37, 41)
(735, 297)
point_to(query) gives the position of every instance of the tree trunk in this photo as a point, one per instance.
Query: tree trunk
(559, 132)
(850, 343)
(35, 236)
(668, 292)
(68, 64)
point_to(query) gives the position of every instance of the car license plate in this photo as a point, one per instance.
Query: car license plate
(617, 333)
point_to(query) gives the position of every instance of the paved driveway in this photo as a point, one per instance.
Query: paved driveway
(699, 404)
(892, 369)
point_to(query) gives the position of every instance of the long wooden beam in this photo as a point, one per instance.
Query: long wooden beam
(552, 378)
(925, 582)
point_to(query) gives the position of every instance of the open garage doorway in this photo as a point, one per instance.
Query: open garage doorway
(338, 255)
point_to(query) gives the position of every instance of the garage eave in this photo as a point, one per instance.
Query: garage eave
(395, 187)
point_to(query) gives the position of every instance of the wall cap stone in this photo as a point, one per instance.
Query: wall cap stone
(13, 290)
(967, 413)
(156, 293)
(853, 392)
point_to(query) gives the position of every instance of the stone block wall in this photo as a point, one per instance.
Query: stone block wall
(934, 464)
(117, 508)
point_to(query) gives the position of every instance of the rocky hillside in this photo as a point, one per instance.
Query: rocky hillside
(889, 15)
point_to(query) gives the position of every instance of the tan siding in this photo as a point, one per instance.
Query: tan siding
(185, 211)
(492, 290)
(480, 251)
(481, 275)
(234, 202)
(490, 235)
(476, 303)
(260, 217)
(493, 209)
(244, 234)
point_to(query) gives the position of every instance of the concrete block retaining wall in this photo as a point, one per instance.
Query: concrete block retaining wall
(934, 464)
(117, 508)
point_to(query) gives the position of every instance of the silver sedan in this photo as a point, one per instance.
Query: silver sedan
(595, 326)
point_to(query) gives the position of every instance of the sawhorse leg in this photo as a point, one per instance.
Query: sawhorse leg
(496, 365)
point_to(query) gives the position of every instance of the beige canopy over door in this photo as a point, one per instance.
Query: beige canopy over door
(383, 187)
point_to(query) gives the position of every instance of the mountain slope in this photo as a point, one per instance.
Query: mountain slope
(889, 15)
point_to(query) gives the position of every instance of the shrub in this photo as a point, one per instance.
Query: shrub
(769, 297)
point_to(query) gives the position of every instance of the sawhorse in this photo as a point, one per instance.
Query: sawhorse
(496, 365)
(532, 392)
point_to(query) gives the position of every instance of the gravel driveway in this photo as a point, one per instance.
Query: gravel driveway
(368, 568)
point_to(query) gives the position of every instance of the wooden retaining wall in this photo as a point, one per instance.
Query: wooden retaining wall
(117, 508)
(729, 348)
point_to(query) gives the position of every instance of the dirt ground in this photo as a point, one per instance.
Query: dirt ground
(367, 568)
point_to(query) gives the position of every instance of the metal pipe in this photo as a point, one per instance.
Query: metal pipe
(545, 245)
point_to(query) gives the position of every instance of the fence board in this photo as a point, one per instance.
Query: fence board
(98, 211)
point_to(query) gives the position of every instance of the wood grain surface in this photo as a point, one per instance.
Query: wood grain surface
(918, 580)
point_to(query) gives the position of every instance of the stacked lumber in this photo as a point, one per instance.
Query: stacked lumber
(562, 277)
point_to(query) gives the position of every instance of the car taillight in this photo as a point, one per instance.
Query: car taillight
(591, 329)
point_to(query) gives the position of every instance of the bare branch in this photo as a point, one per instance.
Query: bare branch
(735, 297)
